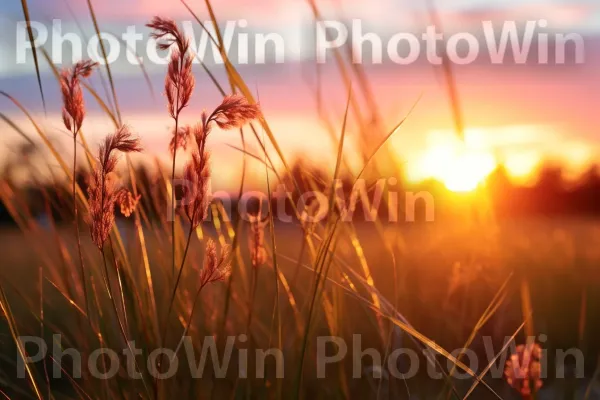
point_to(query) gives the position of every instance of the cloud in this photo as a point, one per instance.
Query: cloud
(144, 9)
(281, 13)
(559, 16)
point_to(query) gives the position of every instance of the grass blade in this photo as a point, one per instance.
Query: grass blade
(103, 49)
(5, 307)
(33, 50)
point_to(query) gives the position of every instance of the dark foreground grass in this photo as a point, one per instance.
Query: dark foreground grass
(440, 278)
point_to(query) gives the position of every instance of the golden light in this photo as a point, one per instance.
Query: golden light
(467, 171)
(461, 167)
(521, 165)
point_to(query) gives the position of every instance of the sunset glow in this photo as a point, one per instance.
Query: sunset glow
(459, 165)
(286, 183)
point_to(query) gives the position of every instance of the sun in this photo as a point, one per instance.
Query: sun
(467, 171)
(458, 167)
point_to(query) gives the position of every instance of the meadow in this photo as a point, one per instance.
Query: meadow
(444, 283)
(461, 304)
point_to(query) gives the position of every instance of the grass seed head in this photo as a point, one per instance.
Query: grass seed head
(180, 139)
(197, 177)
(179, 82)
(234, 112)
(102, 192)
(73, 110)
(216, 267)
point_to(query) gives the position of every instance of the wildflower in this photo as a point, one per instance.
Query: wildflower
(73, 105)
(523, 369)
(216, 268)
(102, 192)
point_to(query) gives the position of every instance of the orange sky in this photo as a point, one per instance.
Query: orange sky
(516, 115)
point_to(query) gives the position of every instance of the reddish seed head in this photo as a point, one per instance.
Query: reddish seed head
(102, 194)
(216, 268)
(197, 176)
(127, 201)
(179, 82)
(234, 112)
(180, 139)
(72, 96)
(167, 33)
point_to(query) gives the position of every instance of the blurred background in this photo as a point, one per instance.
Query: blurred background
(521, 117)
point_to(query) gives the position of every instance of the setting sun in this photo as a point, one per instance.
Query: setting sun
(467, 171)
(460, 167)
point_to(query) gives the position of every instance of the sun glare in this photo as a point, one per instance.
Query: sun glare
(467, 171)
(452, 162)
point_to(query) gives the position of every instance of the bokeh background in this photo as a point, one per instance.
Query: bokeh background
(522, 117)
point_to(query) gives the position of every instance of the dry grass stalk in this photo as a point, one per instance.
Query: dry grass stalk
(180, 139)
(258, 257)
(256, 241)
(179, 82)
(73, 106)
(197, 175)
(127, 202)
(179, 85)
(233, 112)
(72, 114)
(216, 267)
(103, 195)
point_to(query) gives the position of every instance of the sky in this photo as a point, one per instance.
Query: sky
(517, 115)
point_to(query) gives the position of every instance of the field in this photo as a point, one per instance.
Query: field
(439, 278)
(122, 282)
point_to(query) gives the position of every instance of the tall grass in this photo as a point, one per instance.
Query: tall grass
(333, 285)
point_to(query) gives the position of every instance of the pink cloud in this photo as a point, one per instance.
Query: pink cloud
(557, 15)
(121, 9)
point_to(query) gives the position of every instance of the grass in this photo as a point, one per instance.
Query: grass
(431, 287)
(430, 298)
